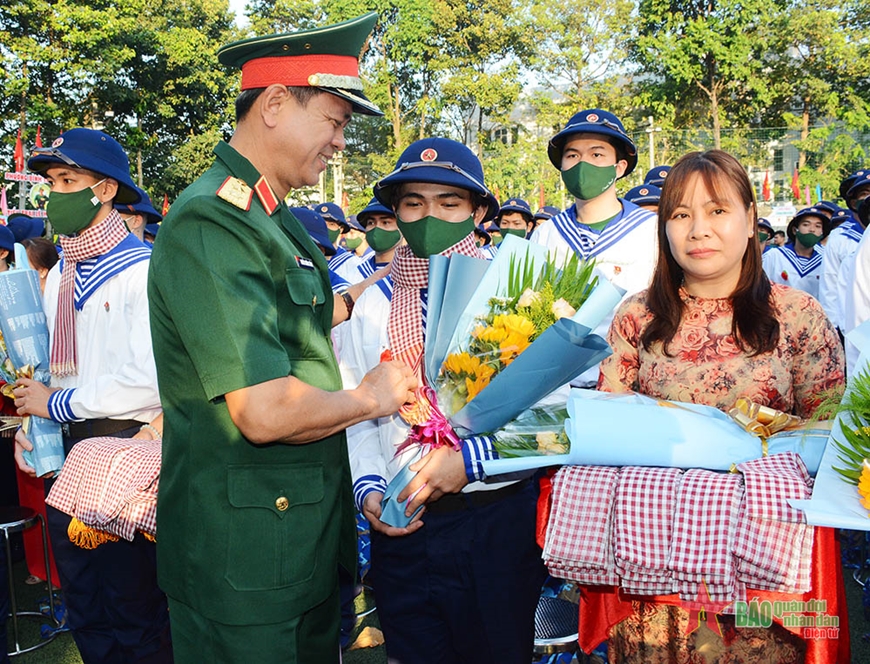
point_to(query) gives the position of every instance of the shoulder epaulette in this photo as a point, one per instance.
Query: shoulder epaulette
(235, 192)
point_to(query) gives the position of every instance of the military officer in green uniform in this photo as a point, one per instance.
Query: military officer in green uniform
(255, 513)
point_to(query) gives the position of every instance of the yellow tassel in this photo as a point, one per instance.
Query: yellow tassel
(86, 537)
(148, 536)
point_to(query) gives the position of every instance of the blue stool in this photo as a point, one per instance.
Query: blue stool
(14, 520)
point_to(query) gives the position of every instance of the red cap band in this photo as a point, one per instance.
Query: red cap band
(294, 70)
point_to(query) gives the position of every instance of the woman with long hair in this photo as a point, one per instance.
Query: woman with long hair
(712, 328)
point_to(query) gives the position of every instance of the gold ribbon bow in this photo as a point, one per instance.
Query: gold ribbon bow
(7, 391)
(762, 421)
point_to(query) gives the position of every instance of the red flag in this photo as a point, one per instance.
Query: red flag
(765, 188)
(38, 136)
(4, 207)
(345, 201)
(19, 154)
(541, 201)
(165, 209)
(796, 185)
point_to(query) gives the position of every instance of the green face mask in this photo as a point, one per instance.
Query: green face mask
(381, 240)
(519, 232)
(333, 234)
(430, 235)
(808, 239)
(586, 181)
(352, 242)
(763, 237)
(73, 212)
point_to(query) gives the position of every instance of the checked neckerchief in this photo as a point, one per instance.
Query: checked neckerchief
(91, 242)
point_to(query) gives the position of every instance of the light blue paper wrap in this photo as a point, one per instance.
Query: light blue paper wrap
(634, 430)
(23, 324)
(460, 289)
(835, 502)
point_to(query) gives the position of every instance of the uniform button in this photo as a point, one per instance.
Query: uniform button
(282, 504)
(314, 301)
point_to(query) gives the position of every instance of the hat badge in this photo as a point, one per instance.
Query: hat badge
(324, 209)
(57, 142)
(663, 174)
(512, 203)
(429, 155)
(643, 192)
(592, 117)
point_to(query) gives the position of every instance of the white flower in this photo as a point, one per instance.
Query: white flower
(562, 309)
(528, 298)
(548, 443)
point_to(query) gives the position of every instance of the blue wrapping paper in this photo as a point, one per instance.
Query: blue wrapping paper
(392, 511)
(634, 430)
(24, 328)
(835, 502)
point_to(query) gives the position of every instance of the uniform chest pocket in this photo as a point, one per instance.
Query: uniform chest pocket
(305, 287)
(275, 524)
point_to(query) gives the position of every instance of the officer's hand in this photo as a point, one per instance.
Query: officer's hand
(389, 385)
(439, 472)
(31, 397)
(372, 511)
(22, 444)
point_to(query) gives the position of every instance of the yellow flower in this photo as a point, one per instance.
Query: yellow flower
(514, 323)
(864, 485)
(512, 346)
(548, 443)
(465, 364)
(489, 334)
(475, 386)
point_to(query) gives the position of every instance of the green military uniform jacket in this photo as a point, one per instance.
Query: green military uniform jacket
(240, 295)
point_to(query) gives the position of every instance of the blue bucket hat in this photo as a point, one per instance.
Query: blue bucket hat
(24, 226)
(656, 175)
(353, 222)
(764, 222)
(439, 161)
(547, 212)
(805, 213)
(143, 207)
(92, 150)
(480, 230)
(152, 229)
(593, 121)
(827, 206)
(860, 181)
(645, 194)
(848, 181)
(841, 215)
(316, 227)
(7, 240)
(332, 212)
(515, 205)
(374, 207)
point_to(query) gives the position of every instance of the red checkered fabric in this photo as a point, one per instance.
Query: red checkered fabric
(410, 275)
(774, 546)
(111, 484)
(579, 545)
(705, 524)
(646, 500)
(91, 242)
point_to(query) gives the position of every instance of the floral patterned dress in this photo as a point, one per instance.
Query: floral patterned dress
(706, 366)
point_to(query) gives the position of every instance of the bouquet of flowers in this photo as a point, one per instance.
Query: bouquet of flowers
(532, 302)
(501, 336)
(24, 329)
(835, 501)
(655, 432)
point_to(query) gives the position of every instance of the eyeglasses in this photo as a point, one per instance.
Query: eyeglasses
(439, 164)
(54, 152)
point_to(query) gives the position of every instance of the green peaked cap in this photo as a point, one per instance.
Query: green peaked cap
(326, 58)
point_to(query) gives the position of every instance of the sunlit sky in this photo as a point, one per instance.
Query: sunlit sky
(238, 8)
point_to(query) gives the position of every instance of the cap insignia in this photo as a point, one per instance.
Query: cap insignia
(57, 142)
(428, 155)
(592, 117)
